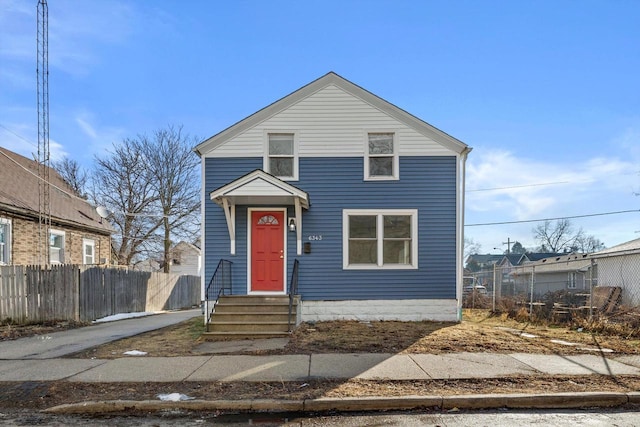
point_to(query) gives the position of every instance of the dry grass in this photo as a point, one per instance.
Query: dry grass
(479, 332)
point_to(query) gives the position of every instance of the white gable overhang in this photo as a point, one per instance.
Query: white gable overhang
(332, 78)
(255, 189)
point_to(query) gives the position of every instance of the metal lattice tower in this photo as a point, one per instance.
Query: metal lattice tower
(42, 72)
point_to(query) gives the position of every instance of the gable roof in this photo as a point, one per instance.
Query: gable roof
(19, 194)
(259, 184)
(332, 78)
(537, 256)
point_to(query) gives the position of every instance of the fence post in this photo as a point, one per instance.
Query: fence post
(593, 261)
(533, 273)
(494, 287)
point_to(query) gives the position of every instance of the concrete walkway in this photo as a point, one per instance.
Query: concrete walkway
(39, 359)
(71, 341)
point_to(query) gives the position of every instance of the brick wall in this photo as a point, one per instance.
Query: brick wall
(24, 243)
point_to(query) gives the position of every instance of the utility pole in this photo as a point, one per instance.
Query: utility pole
(508, 243)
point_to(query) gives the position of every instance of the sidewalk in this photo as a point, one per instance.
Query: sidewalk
(38, 359)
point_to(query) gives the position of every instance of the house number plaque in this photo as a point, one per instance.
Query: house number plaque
(315, 237)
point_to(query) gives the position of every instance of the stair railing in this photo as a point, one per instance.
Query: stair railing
(293, 290)
(219, 283)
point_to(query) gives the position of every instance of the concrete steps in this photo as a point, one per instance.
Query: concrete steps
(251, 316)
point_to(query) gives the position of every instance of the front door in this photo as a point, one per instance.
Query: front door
(267, 251)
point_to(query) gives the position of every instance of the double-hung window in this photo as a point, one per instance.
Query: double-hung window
(381, 159)
(379, 239)
(281, 158)
(56, 247)
(5, 241)
(88, 251)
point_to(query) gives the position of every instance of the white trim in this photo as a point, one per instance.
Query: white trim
(85, 243)
(380, 213)
(64, 244)
(396, 157)
(265, 155)
(203, 207)
(285, 229)
(7, 243)
(407, 310)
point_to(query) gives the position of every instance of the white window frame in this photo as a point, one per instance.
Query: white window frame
(380, 214)
(5, 247)
(266, 157)
(64, 242)
(572, 280)
(85, 244)
(396, 157)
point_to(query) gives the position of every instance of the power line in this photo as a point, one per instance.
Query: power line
(551, 219)
(17, 135)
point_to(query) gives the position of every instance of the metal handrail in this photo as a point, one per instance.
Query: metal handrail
(220, 281)
(293, 289)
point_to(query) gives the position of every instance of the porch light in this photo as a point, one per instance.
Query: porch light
(292, 224)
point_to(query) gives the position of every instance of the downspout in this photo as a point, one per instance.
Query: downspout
(462, 159)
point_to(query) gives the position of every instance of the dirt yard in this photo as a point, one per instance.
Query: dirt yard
(479, 332)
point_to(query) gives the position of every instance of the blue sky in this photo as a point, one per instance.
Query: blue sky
(546, 92)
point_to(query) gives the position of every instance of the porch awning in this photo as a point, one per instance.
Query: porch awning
(260, 188)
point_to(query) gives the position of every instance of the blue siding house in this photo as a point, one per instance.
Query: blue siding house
(366, 197)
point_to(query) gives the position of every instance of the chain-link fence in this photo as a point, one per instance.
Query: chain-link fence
(566, 285)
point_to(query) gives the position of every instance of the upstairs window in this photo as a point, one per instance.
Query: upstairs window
(281, 159)
(374, 239)
(56, 247)
(5, 241)
(381, 160)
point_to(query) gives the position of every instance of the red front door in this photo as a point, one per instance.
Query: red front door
(267, 251)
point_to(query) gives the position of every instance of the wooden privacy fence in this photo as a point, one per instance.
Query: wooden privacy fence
(31, 294)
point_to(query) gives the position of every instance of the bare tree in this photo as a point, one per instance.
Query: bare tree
(122, 184)
(588, 244)
(556, 236)
(174, 177)
(470, 247)
(73, 174)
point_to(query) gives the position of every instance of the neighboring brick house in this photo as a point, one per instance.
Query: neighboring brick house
(78, 235)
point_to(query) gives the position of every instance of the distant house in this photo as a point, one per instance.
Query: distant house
(500, 267)
(620, 266)
(186, 259)
(570, 272)
(364, 199)
(78, 235)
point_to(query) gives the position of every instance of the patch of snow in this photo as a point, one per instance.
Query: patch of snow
(527, 335)
(174, 397)
(563, 342)
(135, 353)
(603, 350)
(122, 316)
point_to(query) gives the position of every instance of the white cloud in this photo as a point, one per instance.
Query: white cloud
(517, 188)
(98, 138)
(75, 30)
(503, 187)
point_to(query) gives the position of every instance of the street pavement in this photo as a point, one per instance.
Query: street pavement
(41, 359)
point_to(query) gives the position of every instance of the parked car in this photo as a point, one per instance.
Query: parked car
(470, 284)
(475, 288)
